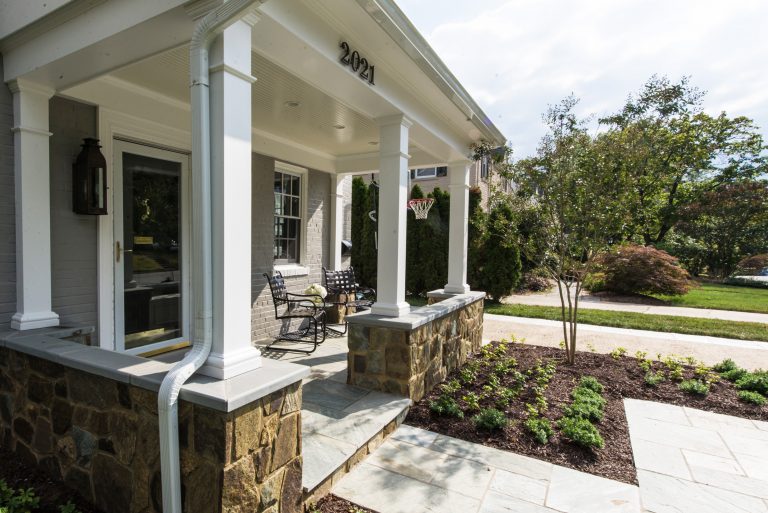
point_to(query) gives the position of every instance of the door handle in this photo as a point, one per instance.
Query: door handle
(119, 251)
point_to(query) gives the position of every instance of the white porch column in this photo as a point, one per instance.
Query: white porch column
(31, 167)
(230, 90)
(337, 220)
(392, 216)
(458, 234)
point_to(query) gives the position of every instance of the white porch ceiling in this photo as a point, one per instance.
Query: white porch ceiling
(313, 123)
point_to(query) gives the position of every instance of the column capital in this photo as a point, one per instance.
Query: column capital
(394, 119)
(22, 85)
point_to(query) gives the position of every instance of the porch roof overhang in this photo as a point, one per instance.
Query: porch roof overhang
(105, 55)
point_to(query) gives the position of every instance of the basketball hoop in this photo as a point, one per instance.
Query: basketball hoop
(421, 206)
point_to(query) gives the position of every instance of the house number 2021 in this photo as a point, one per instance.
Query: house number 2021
(359, 65)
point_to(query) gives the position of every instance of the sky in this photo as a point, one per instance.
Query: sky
(516, 57)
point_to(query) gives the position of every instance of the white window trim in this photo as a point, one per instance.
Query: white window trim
(299, 268)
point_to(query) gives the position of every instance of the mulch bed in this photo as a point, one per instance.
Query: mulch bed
(621, 378)
(332, 504)
(52, 493)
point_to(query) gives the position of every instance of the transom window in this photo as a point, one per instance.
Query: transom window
(287, 247)
(428, 172)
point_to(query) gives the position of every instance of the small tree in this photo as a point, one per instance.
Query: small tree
(580, 202)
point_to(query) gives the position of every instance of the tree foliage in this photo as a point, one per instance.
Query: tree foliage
(672, 152)
(731, 221)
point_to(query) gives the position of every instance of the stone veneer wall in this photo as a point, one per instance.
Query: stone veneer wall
(411, 362)
(101, 437)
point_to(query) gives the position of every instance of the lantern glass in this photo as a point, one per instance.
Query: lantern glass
(97, 188)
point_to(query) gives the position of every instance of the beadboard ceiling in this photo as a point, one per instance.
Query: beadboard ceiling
(316, 122)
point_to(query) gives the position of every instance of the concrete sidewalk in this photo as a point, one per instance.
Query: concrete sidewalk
(710, 350)
(552, 298)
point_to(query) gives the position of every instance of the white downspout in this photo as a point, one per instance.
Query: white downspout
(167, 400)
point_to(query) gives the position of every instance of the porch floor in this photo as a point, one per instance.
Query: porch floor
(340, 423)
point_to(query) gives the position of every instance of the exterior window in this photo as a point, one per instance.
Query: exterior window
(428, 172)
(287, 245)
(484, 168)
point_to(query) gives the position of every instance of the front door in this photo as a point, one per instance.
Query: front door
(151, 248)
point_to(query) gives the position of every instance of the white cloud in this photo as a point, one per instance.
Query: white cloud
(516, 57)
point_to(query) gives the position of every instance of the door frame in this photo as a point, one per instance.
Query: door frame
(121, 146)
(117, 126)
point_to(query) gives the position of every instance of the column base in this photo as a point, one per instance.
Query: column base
(31, 321)
(227, 366)
(391, 310)
(456, 289)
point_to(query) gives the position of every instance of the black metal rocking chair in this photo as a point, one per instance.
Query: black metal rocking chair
(347, 293)
(310, 308)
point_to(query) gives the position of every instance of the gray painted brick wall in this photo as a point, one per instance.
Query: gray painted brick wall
(263, 323)
(7, 205)
(73, 236)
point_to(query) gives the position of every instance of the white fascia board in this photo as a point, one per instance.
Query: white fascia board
(16, 15)
(62, 53)
(396, 24)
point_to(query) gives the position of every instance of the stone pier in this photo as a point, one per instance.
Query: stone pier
(410, 354)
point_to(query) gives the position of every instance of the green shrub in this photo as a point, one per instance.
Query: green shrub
(756, 381)
(734, 375)
(490, 419)
(504, 396)
(749, 396)
(752, 265)
(468, 373)
(68, 508)
(17, 501)
(633, 269)
(501, 266)
(726, 365)
(591, 383)
(618, 353)
(694, 386)
(472, 400)
(451, 387)
(446, 406)
(653, 378)
(581, 431)
(586, 404)
(540, 428)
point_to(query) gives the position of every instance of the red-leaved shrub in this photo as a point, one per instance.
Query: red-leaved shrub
(633, 269)
(752, 265)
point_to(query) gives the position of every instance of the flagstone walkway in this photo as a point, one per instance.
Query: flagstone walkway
(689, 461)
(695, 461)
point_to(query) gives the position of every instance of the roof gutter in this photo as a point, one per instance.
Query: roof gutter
(204, 33)
(401, 30)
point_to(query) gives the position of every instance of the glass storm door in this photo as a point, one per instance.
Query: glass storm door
(151, 248)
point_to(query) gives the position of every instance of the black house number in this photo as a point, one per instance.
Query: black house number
(359, 65)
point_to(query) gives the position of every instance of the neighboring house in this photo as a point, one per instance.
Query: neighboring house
(292, 99)
(481, 175)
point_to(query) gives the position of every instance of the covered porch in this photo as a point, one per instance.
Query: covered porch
(287, 97)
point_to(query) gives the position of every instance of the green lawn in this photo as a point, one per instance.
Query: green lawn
(722, 297)
(639, 321)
